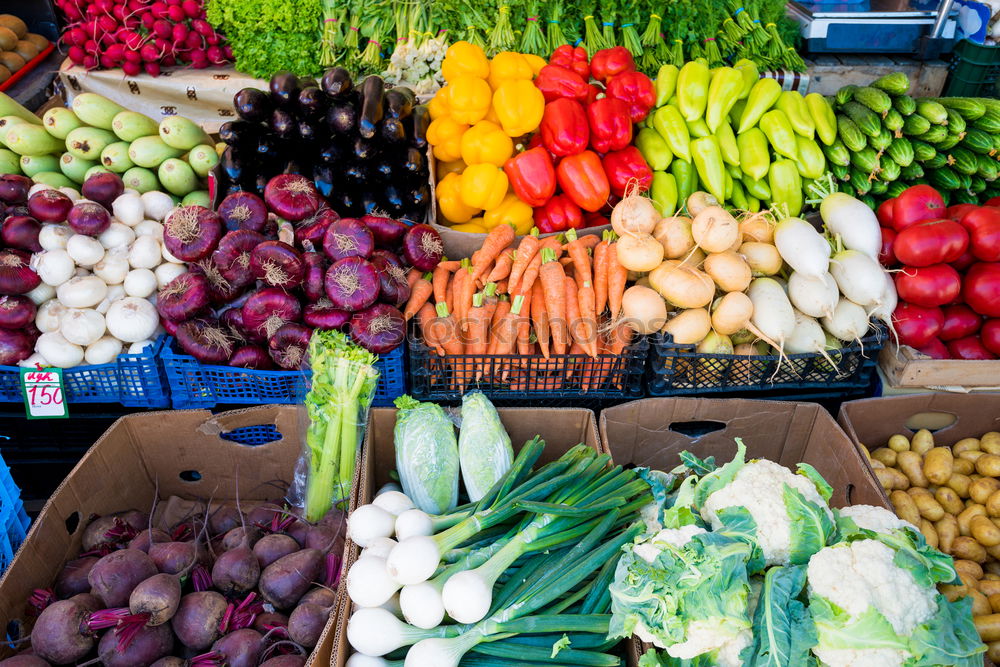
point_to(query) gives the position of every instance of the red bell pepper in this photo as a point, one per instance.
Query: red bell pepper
(595, 219)
(610, 125)
(564, 128)
(636, 90)
(557, 215)
(583, 179)
(606, 63)
(593, 93)
(624, 167)
(572, 58)
(556, 82)
(532, 175)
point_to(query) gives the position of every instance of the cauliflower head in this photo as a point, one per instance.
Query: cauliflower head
(877, 519)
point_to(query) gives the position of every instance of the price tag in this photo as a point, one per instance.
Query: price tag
(43, 393)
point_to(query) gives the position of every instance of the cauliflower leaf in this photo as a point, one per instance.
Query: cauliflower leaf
(824, 488)
(784, 632)
(813, 526)
(949, 638)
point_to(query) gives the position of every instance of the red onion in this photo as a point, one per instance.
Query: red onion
(221, 291)
(243, 210)
(312, 230)
(394, 288)
(103, 188)
(352, 284)
(233, 255)
(289, 345)
(16, 277)
(422, 247)
(15, 346)
(192, 233)
(379, 329)
(312, 281)
(253, 357)
(292, 197)
(277, 264)
(184, 297)
(388, 233)
(14, 188)
(232, 318)
(169, 326)
(16, 312)
(205, 340)
(88, 218)
(49, 205)
(322, 315)
(348, 237)
(267, 311)
(21, 232)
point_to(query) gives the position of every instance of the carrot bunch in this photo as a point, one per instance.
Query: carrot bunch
(537, 299)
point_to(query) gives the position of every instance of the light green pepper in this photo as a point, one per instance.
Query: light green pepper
(780, 134)
(663, 192)
(723, 93)
(692, 90)
(654, 149)
(748, 70)
(686, 178)
(754, 155)
(708, 161)
(671, 126)
(762, 97)
(728, 144)
(757, 187)
(666, 83)
(786, 186)
(794, 105)
(811, 161)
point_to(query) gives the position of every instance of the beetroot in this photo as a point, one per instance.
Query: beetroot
(172, 557)
(298, 530)
(241, 648)
(324, 597)
(113, 578)
(158, 597)
(285, 661)
(324, 538)
(272, 547)
(306, 623)
(196, 622)
(147, 646)
(24, 660)
(88, 601)
(264, 514)
(236, 536)
(236, 570)
(287, 579)
(268, 620)
(144, 540)
(94, 534)
(57, 635)
(225, 518)
(170, 661)
(72, 580)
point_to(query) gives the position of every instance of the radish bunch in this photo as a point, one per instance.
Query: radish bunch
(141, 35)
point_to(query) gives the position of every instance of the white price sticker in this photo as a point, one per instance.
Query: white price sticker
(43, 393)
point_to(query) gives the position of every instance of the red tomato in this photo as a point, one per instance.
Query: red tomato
(884, 212)
(958, 211)
(995, 201)
(969, 347)
(964, 262)
(928, 286)
(887, 256)
(935, 349)
(959, 321)
(916, 325)
(919, 203)
(983, 226)
(981, 288)
(933, 242)
(990, 336)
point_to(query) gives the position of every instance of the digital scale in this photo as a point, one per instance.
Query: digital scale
(921, 28)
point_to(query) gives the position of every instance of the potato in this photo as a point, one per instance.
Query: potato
(995, 605)
(928, 507)
(963, 467)
(971, 454)
(988, 465)
(922, 441)
(938, 465)
(990, 442)
(988, 587)
(949, 500)
(912, 466)
(876, 464)
(993, 504)
(947, 530)
(993, 652)
(980, 605)
(988, 627)
(890, 479)
(967, 581)
(885, 455)
(981, 489)
(906, 508)
(965, 444)
(970, 568)
(994, 552)
(960, 483)
(992, 571)
(898, 443)
(927, 528)
(953, 592)
(985, 531)
(968, 548)
(965, 517)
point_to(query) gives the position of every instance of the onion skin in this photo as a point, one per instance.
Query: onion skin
(14, 188)
(289, 345)
(205, 340)
(267, 310)
(49, 206)
(253, 357)
(388, 233)
(422, 247)
(243, 211)
(312, 230)
(352, 284)
(233, 319)
(233, 255)
(103, 188)
(191, 233)
(16, 312)
(221, 291)
(88, 218)
(322, 315)
(184, 297)
(312, 280)
(277, 264)
(379, 329)
(348, 237)
(15, 346)
(394, 289)
(16, 277)
(292, 197)
(21, 232)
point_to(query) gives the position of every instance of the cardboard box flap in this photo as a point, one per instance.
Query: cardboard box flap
(951, 417)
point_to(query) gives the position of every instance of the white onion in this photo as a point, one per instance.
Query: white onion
(145, 253)
(74, 195)
(86, 251)
(116, 235)
(130, 191)
(82, 326)
(128, 208)
(149, 228)
(140, 283)
(84, 292)
(140, 346)
(114, 267)
(132, 319)
(103, 351)
(58, 351)
(168, 256)
(157, 204)
(41, 294)
(168, 271)
(49, 316)
(34, 361)
(54, 267)
(115, 292)
(38, 187)
(368, 522)
(54, 237)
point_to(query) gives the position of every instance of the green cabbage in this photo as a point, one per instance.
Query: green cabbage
(426, 455)
(483, 445)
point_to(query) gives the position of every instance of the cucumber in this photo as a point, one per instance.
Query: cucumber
(911, 171)
(922, 151)
(866, 160)
(932, 111)
(968, 107)
(867, 200)
(961, 197)
(944, 178)
(963, 161)
(989, 122)
(978, 185)
(905, 105)
(866, 119)
(988, 168)
(879, 187)
(956, 123)
(895, 189)
(873, 98)
(939, 160)
(896, 83)
(964, 181)
(901, 151)
(845, 94)
(882, 141)
(849, 133)
(860, 182)
(949, 142)
(890, 171)
(935, 134)
(837, 153)
(915, 125)
(840, 172)
(893, 120)
(978, 141)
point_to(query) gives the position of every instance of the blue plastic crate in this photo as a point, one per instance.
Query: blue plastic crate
(13, 519)
(134, 380)
(197, 385)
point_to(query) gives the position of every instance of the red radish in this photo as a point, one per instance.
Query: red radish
(348, 237)
(113, 578)
(21, 232)
(197, 620)
(205, 340)
(981, 288)
(15, 346)
(928, 286)
(243, 210)
(192, 9)
(422, 247)
(990, 336)
(152, 69)
(49, 205)
(16, 276)
(289, 346)
(959, 321)
(969, 347)
(312, 230)
(103, 188)
(233, 255)
(292, 197)
(277, 264)
(394, 288)
(916, 325)
(935, 349)
(312, 280)
(933, 242)
(16, 312)
(253, 357)
(983, 225)
(388, 233)
(88, 218)
(191, 233)
(268, 310)
(352, 284)
(379, 329)
(918, 203)
(132, 68)
(322, 315)
(14, 188)
(184, 297)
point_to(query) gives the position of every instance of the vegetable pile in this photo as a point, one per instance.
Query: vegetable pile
(141, 35)
(523, 571)
(218, 586)
(947, 263)
(746, 564)
(17, 45)
(363, 146)
(952, 492)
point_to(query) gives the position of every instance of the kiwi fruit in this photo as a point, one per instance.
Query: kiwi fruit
(8, 39)
(11, 22)
(41, 43)
(12, 61)
(26, 49)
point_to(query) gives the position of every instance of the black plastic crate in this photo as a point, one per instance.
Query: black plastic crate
(560, 380)
(676, 370)
(973, 70)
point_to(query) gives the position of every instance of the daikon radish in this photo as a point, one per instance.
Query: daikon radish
(886, 305)
(815, 297)
(731, 313)
(688, 326)
(729, 271)
(802, 247)
(682, 285)
(674, 234)
(714, 229)
(773, 319)
(859, 277)
(853, 221)
(763, 258)
(808, 337)
(849, 321)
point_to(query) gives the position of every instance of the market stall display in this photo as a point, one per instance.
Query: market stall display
(19, 49)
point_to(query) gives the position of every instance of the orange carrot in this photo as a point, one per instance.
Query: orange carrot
(617, 275)
(420, 292)
(588, 318)
(499, 238)
(503, 287)
(507, 332)
(553, 279)
(530, 274)
(618, 340)
(490, 299)
(590, 240)
(540, 317)
(412, 276)
(526, 251)
(524, 328)
(601, 275)
(450, 295)
(503, 307)
(573, 313)
(577, 251)
(464, 289)
(445, 331)
(502, 267)
(478, 333)
(440, 279)
(425, 316)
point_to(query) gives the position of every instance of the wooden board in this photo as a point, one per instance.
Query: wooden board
(829, 73)
(908, 368)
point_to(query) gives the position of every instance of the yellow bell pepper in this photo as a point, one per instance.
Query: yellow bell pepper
(464, 59)
(445, 135)
(438, 106)
(443, 168)
(492, 116)
(508, 66)
(486, 142)
(471, 227)
(511, 211)
(535, 62)
(483, 186)
(469, 99)
(450, 204)
(519, 104)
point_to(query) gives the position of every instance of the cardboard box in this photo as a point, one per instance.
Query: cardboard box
(173, 454)
(907, 368)
(561, 428)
